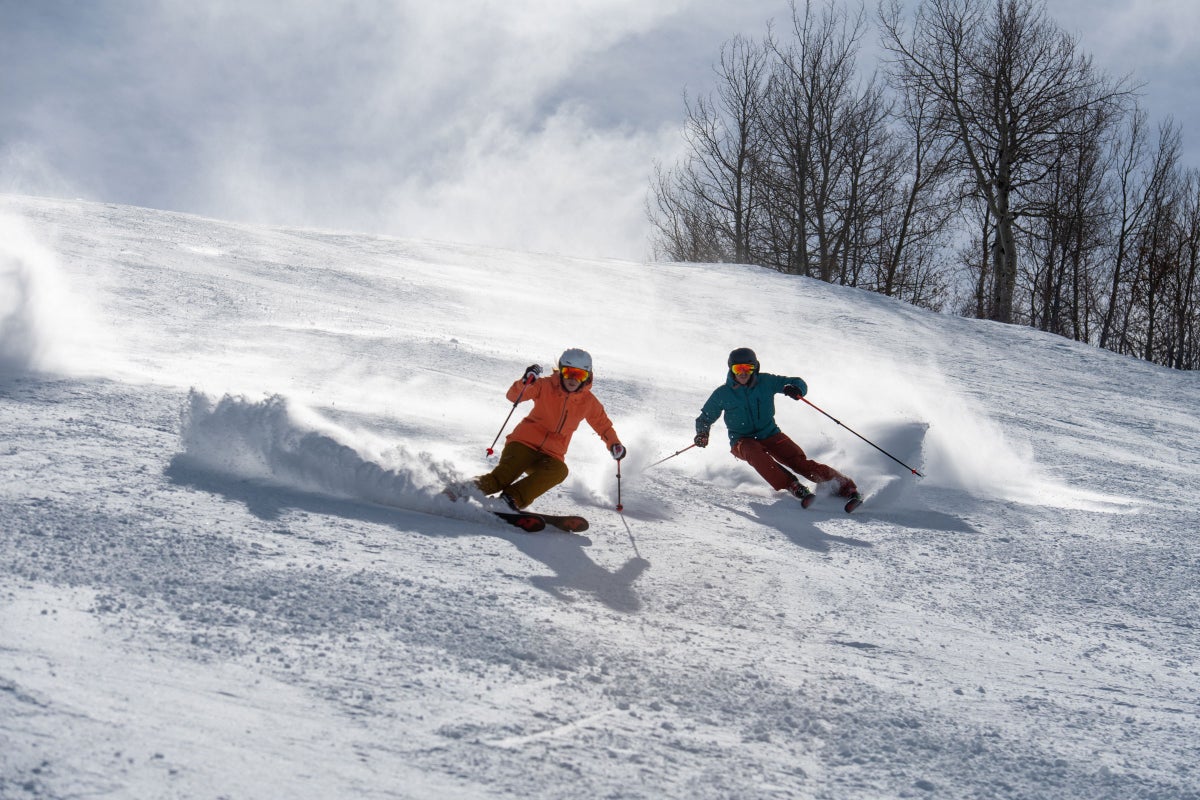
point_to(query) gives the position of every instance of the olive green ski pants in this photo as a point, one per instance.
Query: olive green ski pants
(542, 473)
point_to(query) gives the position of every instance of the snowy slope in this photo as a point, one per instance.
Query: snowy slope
(226, 571)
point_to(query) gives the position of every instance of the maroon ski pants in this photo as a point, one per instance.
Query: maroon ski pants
(766, 455)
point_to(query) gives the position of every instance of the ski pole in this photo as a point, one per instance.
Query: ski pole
(668, 458)
(865, 439)
(490, 451)
(620, 507)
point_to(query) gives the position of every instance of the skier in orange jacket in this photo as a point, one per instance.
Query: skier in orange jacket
(537, 447)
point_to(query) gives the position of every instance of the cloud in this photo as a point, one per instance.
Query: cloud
(436, 121)
(25, 168)
(564, 187)
(333, 114)
(1142, 31)
(531, 124)
(1151, 41)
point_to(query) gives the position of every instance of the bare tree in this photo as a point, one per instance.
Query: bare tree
(874, 159)
(1135, 174)
(811, 115)
(1066, 229)
(684, 230)
(974, 257)
(797, 162)
(1012, 87)
(1186, 346)
(1138, 301)
(917, 214)
(718, 185)
(1157, 248)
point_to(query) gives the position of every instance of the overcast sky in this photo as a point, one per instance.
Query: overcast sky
(531, 124)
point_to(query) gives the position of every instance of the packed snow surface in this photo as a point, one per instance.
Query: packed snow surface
(227, 569)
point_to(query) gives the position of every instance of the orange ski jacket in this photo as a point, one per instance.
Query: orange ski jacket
(556, 415)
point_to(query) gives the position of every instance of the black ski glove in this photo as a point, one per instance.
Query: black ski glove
(701, 439)
(793, 391)
(531, 373)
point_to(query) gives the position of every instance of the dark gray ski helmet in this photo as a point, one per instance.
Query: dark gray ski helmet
(743, 355)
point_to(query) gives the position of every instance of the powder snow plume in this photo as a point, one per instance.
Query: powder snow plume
(43, 326)
(273, 442)
(23, 345)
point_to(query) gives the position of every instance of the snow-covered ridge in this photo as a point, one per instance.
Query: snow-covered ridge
(231, 302)
(226, 568)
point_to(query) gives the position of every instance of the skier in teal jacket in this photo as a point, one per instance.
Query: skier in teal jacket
(747, 399)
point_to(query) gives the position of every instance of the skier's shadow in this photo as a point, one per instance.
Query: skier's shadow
(269, 502)
(783, 517)
(576, 574)
(574, 571)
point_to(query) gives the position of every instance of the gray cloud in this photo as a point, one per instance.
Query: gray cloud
(1154, 40)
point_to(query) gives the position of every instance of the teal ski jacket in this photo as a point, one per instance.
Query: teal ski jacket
(749, 410)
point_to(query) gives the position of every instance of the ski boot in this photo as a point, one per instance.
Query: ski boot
(801, 493)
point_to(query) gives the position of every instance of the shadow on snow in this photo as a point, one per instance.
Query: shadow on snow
(574, 571)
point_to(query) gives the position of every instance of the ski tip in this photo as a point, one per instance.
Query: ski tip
(854, 502)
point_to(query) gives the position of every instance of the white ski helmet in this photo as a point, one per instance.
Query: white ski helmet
(575, 357)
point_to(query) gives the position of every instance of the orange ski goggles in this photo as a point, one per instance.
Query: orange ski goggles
(742, 370)
(574, 374)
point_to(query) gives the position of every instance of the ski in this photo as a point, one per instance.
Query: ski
(530, 523)
(808, 498)
(570, 523)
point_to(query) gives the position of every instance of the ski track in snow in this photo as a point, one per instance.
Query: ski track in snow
(226, 568)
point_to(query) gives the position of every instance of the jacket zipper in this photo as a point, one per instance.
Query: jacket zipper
(562, 420)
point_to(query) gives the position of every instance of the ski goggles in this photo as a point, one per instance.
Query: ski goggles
(574, 374)
(742, 370)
